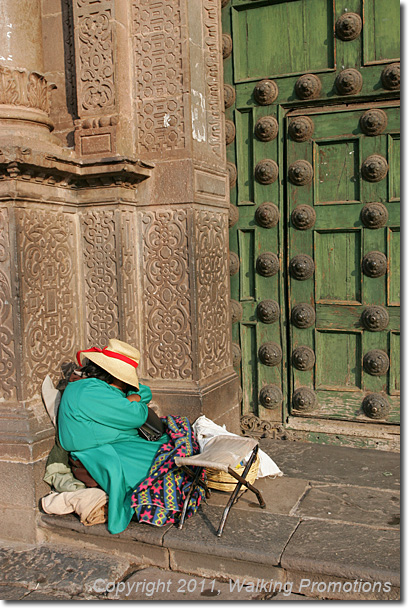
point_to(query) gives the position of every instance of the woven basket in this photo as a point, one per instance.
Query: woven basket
(222, 481)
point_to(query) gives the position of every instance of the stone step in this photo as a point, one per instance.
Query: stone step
(330, 529)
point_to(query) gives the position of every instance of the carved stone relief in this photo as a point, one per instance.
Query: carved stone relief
(7, 348)
(46, 251)
(158, 41)
(20, 87)
(101, 275)
(251, 425)
(69, 56)
(166, 299)
(212, 275)
(95, 55)
(214, 97)
(128, 275)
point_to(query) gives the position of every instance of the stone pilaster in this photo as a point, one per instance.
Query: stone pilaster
(185, 326)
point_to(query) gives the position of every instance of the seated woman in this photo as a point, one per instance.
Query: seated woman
(98, 420)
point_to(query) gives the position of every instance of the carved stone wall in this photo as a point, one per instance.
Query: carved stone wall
(8, 381)
(96, 70)
(213, 77)
(46, 253)
(211, 266)
(166, 295)
(159, 38)
(95, 57)
(100, 275)
(19, 87)
(128, 280)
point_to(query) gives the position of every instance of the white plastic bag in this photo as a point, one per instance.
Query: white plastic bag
(205, 429)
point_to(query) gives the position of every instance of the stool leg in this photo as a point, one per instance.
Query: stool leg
(202, 484)
(257, 493)
(236, 491)
(188, 497)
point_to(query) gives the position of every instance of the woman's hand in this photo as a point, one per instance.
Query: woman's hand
(134, 398)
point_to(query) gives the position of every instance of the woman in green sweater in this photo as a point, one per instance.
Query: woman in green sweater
(98, 420)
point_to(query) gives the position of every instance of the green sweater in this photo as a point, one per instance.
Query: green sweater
(98, 425)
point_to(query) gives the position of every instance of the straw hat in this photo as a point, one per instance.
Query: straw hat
(118, 358)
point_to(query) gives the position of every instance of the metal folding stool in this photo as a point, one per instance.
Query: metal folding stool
(222, 452)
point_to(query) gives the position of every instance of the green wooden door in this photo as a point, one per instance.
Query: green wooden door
(312, 128)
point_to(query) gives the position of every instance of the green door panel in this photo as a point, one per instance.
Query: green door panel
(298, 34)
(379, 44)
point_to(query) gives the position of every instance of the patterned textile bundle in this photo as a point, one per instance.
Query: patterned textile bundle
(159, 499)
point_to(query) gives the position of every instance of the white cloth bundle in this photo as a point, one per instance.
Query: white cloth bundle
(205, 429)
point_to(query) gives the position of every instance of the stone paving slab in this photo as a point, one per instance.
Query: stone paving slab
(280, 494)
(67, 571)
(347, 551)
(249, 536)
(352, 504)
(333, 464)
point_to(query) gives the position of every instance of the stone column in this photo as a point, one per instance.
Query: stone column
(24, 91)
(184, 314)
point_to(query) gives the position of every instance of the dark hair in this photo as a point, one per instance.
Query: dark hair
(94, 370)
